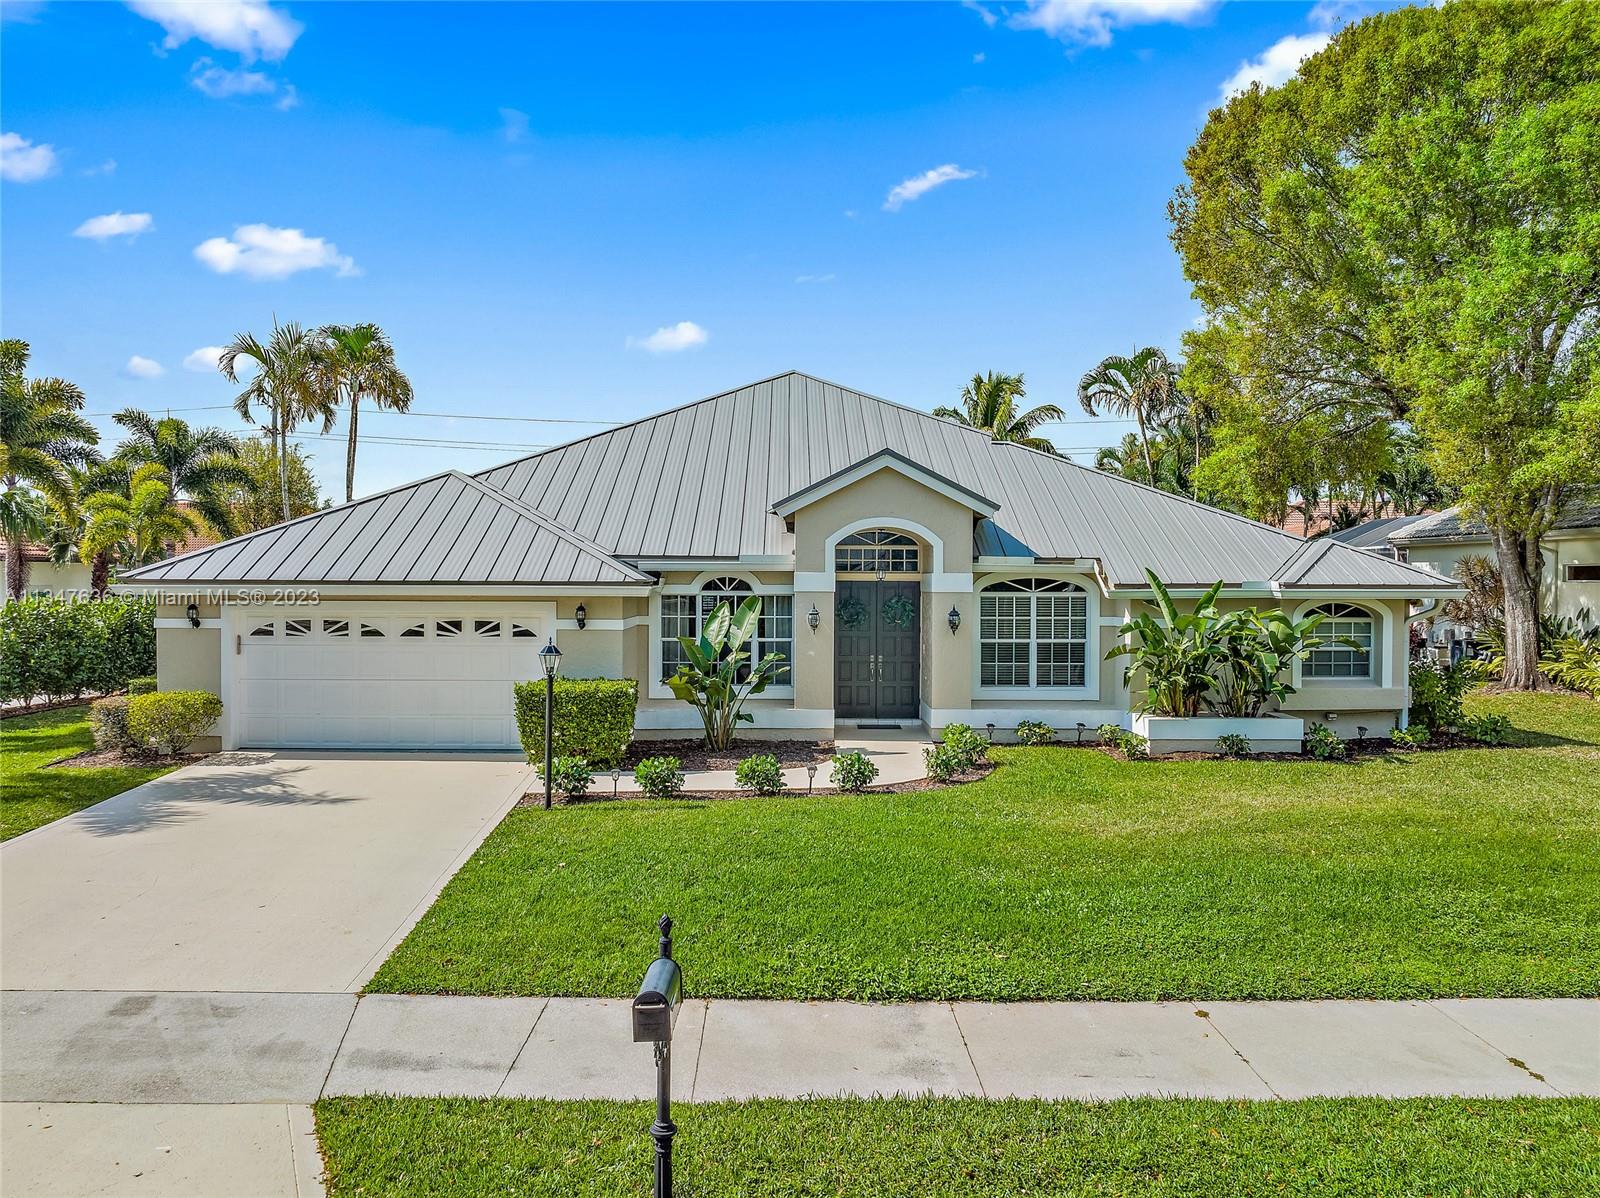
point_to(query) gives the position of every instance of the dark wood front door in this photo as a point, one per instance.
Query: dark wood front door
(877, 649)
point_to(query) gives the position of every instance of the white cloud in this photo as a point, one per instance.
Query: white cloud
(513, 125)
(266, 252)
(918, 186)
(220, 82)
(23, 162)
(671, 338)
(250, 28)
(979, 56)
(1277, 65)
(108, 167)
(1090, 22)
(115, 224)
(988, 16)
(144, 368)
(289, 99)
(203, 360)
(828, 278)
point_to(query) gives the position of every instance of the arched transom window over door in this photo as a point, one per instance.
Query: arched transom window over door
(877, 551)
(1033, 632)
(1339, 660)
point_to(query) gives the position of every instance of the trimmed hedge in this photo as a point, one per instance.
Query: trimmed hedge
(169, 721)
(108, 721)
(62, 648)
(593, 718)
(143, 685)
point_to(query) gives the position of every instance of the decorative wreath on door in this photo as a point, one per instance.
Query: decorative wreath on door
(852, 612)
(899, 611)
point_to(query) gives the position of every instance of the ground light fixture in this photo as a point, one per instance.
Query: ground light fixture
(582, 615)
(550, 660)
(814, 617)
(193, 612)
(954, 619)
(616, 778)
(990, 727)
(811, 777)
(1081, 727)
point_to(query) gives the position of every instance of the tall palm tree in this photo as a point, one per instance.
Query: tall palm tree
(41, 435)
(285, 383)
(1143, 386)
(1125, 459)
(137, 528)
(990, 401)
(357, 361)
(200, 463)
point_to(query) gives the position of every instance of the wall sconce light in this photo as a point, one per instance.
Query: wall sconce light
(954, 618)
(583, 616)
(193, 612)
(813, 617)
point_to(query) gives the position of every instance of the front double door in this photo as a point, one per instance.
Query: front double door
(877, 648)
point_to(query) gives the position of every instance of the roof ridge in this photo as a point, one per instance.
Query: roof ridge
(555, 526)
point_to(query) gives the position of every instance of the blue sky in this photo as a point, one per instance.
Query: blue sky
(592, 212)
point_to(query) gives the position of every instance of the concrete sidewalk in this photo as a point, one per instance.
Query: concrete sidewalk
(72, 1047)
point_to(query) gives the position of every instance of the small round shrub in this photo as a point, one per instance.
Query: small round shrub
(1109, 734)
(169, 721)
(1134, 747)
(143, 685)
(966, 745)
(1323, 743)
(853, 772)
(659, 777)
(1233, 744)
(944, 762)
(1034, 732)
(569, 775)
(1488, 729)
(1414, 737)
(108, 721)
(761, 774)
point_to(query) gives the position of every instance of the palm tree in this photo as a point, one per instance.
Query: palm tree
(1125, 459)
(989, 402)
(285, 383)
(41, 435)
(358, 362)
(1143, 386)
(138, 527)
(200, 463)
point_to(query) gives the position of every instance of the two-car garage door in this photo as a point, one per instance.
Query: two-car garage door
(422, 679)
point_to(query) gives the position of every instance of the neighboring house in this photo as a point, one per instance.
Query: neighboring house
(1373, 535)
(910, 569)
(73, 578)
(1571, 550)
(1315, 520)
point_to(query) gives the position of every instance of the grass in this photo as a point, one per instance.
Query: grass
(1065, 874)
(31, 795)
(1327, 1147)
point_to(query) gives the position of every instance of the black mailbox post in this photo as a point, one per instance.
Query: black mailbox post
(655, 1009)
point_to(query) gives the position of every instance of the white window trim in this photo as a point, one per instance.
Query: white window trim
(1382, 638)
(1091, 649)
(656, 688)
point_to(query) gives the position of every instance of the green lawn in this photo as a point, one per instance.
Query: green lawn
(396, 1147)
(1066, 874)
(30, 795)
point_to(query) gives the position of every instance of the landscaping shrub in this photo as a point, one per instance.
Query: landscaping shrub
(853, 772)
(1109, 734)
(1134, 747)
(569, 775)
(659, 777)
(1436, 692)
(169, 721)
(67, 647)
(1323, 743)
(1233, 744)
(760, 774)
(944, 762)
(966, 747)
(593, 718)
(1034, 732)
(1574, 662)
(108, 721)
(1487, 729)
(145, 684)
(1413, 737)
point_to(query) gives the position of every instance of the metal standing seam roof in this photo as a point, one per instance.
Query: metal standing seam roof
(1583, 511)
(1375, 534)
(449, 528)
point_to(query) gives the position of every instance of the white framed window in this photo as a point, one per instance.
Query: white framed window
(877, 551)
(1340, 660)
(1033, 632)
(685, 614)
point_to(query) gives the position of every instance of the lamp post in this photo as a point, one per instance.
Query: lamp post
(550, 659)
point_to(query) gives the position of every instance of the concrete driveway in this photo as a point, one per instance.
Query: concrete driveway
(250, 871)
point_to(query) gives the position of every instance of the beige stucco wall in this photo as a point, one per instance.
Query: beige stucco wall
(70, 578)
(1560, 549)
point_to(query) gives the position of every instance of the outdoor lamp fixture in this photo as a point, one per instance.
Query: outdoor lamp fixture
(1361, 733)
(813, 617)
(811, 777)
(583, 616)
(616, 777)
(1081, 727)
(990, 727)
(954, 618)
(550, 659)
(193, 612)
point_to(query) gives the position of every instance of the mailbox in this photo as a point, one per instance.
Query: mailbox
(655, 1008)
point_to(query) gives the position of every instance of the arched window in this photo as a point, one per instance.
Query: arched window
(1033, 632)
(877, 551)
(686, 615)
(1340, 660)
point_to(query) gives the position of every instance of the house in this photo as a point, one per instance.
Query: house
(910, 570)
(72, 579)
(1322, 517)
(1374, 535)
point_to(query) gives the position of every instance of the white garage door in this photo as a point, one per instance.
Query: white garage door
(352, 679)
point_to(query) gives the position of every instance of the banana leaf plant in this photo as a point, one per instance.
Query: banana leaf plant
(1263, 647)
(1179, 654)
(719, 676)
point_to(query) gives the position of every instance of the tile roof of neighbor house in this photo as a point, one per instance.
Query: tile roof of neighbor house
(1454, 525)
(699, 482)
(1375, 534)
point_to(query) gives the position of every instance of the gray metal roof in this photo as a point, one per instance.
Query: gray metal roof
(1375, 534)
(450, 528)
(1583, 511)
(1328, 563)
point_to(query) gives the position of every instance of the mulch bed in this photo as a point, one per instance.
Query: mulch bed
(602, 794)
(1370, 747)
(100, 758)
(693, 754)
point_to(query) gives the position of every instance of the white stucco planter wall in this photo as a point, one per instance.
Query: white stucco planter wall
(1198, 734)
